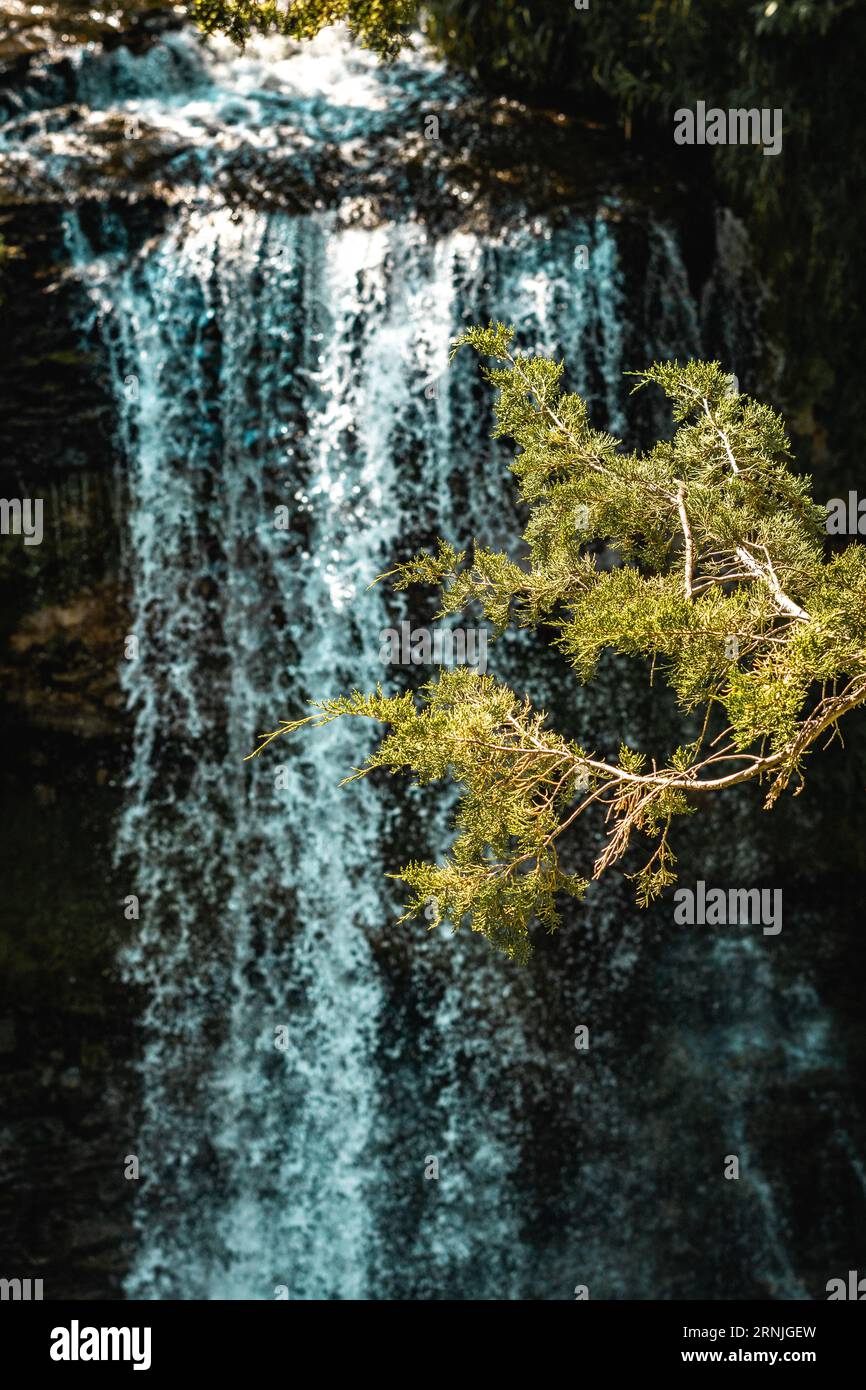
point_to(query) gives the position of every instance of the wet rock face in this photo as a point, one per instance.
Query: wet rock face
(62, 667)
(61, 614)
(65, 1040)
(29, 32)
(67, 1094)
(65, 1210)
(55, 415)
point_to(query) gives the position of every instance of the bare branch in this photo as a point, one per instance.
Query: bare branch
(723, 437)
(687, 533)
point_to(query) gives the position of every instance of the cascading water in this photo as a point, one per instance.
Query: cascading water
(288, 427)
(266, 363)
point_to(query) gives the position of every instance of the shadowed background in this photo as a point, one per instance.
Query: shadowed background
(235, 282)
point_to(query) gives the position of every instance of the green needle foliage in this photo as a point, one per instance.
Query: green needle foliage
(377, 24)
(720, 584)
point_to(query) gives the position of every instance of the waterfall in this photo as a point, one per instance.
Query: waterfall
(335, 1107)
(268, 362)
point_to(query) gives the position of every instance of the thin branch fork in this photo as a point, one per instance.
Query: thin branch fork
(768, 576)
(722, 436)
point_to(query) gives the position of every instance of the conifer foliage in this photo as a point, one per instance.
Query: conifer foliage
(377, 24)
(719, 583)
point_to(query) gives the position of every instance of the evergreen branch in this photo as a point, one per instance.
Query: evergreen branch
(721, 585)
